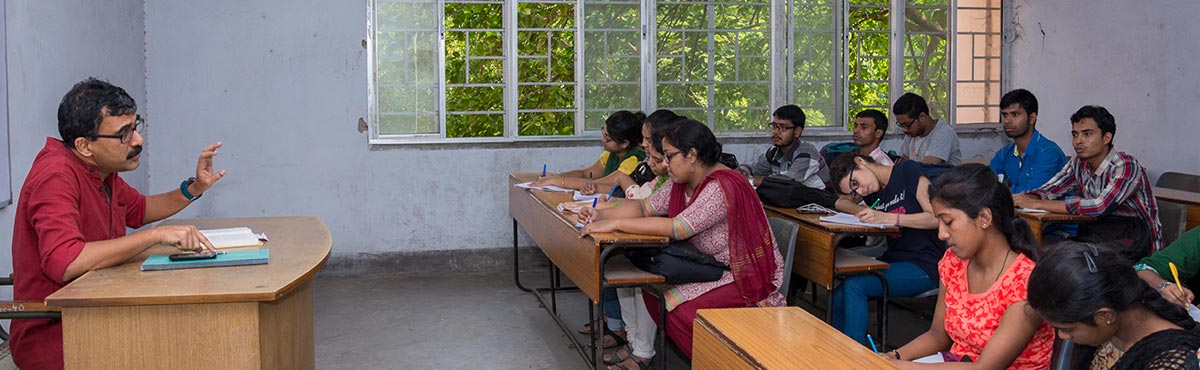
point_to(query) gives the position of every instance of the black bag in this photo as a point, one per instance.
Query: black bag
(679, 263)
(1128, 236)
(783, 191)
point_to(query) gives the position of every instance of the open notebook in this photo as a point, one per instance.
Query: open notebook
(234, 237)
(849, 219)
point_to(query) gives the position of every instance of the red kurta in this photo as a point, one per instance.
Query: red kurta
(62, 206)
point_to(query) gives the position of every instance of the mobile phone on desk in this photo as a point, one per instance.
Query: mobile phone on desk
(192, 256)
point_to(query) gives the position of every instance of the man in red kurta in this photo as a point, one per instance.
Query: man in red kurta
(74, 207)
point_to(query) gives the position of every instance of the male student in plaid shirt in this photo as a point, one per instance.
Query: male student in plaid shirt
(1111, 186)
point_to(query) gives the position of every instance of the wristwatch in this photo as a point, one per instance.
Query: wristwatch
(183, 188)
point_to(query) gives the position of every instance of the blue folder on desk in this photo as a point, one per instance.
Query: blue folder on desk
(229, 258)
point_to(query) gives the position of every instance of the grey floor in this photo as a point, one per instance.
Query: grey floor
(470, 321)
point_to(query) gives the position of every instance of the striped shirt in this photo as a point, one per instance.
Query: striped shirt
(1119, 187)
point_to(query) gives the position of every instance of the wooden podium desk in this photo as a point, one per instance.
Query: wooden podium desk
(774, 338)
(243, 317)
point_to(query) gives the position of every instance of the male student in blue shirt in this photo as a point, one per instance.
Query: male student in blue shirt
(1031, 159)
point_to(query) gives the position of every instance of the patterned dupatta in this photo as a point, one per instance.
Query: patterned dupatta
(751, 255)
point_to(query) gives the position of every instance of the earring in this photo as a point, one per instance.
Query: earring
(985, 225)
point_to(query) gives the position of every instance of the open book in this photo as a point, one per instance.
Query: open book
(234, 237)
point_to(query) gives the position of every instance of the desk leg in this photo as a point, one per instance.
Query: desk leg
(883, 309)
(517, 261)
(553, 289)
(1036, 228)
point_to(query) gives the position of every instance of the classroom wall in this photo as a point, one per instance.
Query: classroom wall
(51, 45)
(1136, 59)
(283, 84)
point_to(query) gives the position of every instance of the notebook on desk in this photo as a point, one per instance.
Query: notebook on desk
(234, 237)
(229, 258)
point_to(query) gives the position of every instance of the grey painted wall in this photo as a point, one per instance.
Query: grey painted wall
(1136, 59)
(51, 46)
(283, 85)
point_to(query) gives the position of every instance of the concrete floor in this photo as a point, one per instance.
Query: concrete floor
(398, 321)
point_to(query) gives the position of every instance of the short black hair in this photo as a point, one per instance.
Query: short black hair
(688, 134)
(1022, 97)
(85, 106)
(881, 121)
(911, 105)
(792, 113)
(626, 126)
(1104, 120)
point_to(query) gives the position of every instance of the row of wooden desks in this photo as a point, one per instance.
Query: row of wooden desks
(1187, 198)
(582, 260)
(243, 317)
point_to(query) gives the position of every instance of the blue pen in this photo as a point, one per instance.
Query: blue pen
(613, 193)
(543, 170)
(593, 210)
(872, 341)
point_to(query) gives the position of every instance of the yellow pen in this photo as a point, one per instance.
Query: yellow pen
(1175, 274)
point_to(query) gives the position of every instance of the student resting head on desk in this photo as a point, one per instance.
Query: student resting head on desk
(65, 215)
(1093, 297)
(981, 309)
(899, 196)
(621, 138)
(715, 210)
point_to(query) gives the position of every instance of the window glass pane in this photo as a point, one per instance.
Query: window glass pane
(474, 68)
(927, 54)
(406, 67)
(611, 59)
(868, 51)
(545, 68)
(816, 61)
(714, 61)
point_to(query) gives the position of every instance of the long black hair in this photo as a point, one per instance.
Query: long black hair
(690, 134)
(625, 126)
(1074, 280)
(973, 187)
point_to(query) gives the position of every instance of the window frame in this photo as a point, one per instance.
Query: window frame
(780, 57)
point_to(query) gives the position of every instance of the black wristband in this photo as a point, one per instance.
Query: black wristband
(897, 352)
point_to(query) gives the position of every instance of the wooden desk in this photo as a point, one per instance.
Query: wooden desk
(582, 260)
(1187, 198)
(1037, 221)
(774, 338)
(244, 317)
(816, 243)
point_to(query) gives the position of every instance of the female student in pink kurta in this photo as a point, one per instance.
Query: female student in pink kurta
(981, 311)
(715, 210)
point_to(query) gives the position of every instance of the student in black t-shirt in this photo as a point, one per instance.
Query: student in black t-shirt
(897, 195)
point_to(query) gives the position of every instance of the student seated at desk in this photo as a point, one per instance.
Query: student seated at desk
(1111, 185)
(715, 210)
(639, 324)
(870, 126)
(643, 173)
(1031, 159)
(926, 140)
(981, 310)
(1093, 297)
(622, 140)
(897, 195)
(788, 155)
(74, 209)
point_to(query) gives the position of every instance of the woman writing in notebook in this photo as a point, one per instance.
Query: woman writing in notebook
(981, 310)
(898, 196)
(621, 138)
(715, 210)
(1094, 297)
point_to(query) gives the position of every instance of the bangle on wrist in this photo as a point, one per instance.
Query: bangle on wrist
(1163, 285)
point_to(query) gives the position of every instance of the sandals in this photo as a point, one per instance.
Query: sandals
(611, 339)
(619, 356)
(641, 365)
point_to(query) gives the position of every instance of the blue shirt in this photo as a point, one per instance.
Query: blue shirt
(1041, 161)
